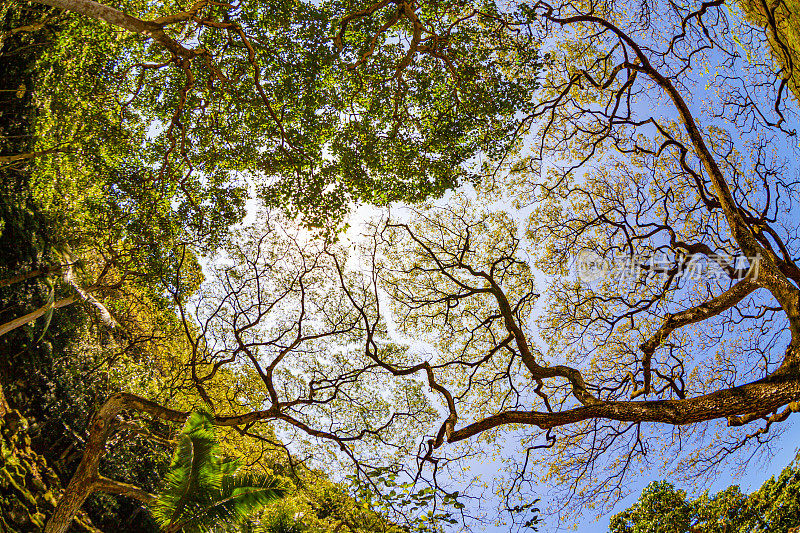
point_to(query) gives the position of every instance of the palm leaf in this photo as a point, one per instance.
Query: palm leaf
(238, 497)
(201, 489)
(194, 469)
(48, 316)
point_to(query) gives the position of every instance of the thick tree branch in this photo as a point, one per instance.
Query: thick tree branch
(33, 315)
(87, 478)
(104, 484)
(771, 276)
(32, 274)
(117, 18)
(769, 394)
(86, 296)
(29, 155)
(711, 308)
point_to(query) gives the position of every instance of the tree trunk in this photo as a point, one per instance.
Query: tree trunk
(32, 274)
(30, 317)
(117, 18)
(87, 478)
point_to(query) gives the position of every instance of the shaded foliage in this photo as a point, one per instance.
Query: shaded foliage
(661, 508)
(57, 367)
(780, 20)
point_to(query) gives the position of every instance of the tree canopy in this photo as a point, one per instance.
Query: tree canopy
(775, 506)
(315, 104)
(614, 288)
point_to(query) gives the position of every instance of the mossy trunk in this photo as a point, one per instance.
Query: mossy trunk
(29, 488)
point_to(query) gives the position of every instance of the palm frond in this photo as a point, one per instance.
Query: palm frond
(193, 467)
(238, 497)
(202, 489)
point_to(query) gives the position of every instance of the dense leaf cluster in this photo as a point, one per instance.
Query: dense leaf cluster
(662, 508)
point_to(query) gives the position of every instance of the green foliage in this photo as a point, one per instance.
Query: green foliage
(336, 112)
(88, 203)
(281, 522)
(661, 508)
(781, 22)
(101, 186)
(136, 172)
(775, 507)
(202, 489)
(383, 491)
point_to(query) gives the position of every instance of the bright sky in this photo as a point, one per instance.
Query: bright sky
(785, 447)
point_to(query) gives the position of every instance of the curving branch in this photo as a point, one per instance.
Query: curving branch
(787, 294)
(674, 321)
(766, 395)
(152, 29)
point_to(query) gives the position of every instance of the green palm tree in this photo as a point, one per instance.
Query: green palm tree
(204, 491)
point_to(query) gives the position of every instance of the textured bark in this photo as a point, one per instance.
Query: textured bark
(87, 478)
(87, 297)
(33, 315)
(117, 18)
(764, 396)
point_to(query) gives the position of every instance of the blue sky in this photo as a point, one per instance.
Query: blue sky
(751, 480)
